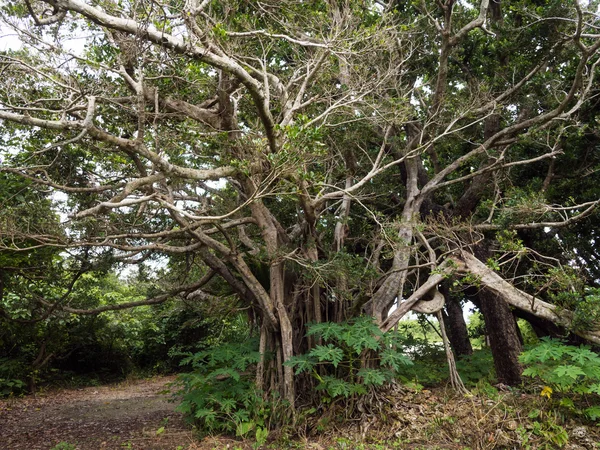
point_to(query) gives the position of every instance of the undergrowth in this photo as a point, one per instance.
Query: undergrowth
(219, 395)
(351, 357)
(571, 375)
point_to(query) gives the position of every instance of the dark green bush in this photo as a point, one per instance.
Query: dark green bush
(566, 369)
(220, 395)
(476, 367)
(353, 356)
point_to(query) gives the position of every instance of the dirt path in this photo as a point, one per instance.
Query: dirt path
(122, 416)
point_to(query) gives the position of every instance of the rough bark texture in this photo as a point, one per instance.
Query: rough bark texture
(456, 328)
(519, 299)
(504, 340)
(501, 329)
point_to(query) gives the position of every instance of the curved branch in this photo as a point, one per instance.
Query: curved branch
(57, 15)
(179, 45)
(519, 299)
(150, 301)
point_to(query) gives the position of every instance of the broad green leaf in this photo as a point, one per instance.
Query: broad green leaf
(243, 428)
(593, 412)
(569, 371)
(372, 377)
(302, 363)
(329, 353)
(393, 359)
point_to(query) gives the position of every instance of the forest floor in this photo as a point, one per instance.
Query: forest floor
(129, 415)
(140, 415)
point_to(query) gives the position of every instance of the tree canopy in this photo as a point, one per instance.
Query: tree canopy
(317, 160)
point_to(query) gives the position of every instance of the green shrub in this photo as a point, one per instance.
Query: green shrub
(476, 367)
(64, 446)
(220, 394)
(12, 374)
(11, 387)
(566, 369)
(351, 357)
(587, 312)
(422, 345)
(542, 434)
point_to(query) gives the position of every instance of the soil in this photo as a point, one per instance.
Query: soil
(129, 415)
(140, 415)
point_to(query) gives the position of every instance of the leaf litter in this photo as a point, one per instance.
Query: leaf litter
(139, 415)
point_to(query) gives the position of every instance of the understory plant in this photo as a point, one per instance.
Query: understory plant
(477, 367)
(11, 373)
(568, 370)
(544, 432)
(350, 357)
(219, 395)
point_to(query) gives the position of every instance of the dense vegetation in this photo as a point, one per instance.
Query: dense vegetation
(261, 190)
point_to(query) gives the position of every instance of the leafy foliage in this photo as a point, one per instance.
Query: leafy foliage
(220, 394)
(354, 356)
(422, 345)
(476, 367)
(226, 99)
(11, 376)
(587, 312)
(542, 434)
(566, 369)
(64, 446)
(107, 346)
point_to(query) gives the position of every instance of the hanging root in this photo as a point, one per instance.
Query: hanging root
(455, 380)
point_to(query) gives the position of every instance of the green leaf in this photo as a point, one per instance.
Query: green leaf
(224, 373)
(548, 350)
(303, 363)
(569, 371)
(582, 355)
(358, 389)
(328, 353)
(227, 405)
(335, 387)
(594, 388)
(392, 358)
(372, 377)
(567, 403)
(244, 428)
(261, 435)
(593, 412)
(326, 330)
(531, 371)
(204, 413)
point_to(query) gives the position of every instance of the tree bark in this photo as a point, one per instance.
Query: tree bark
(503, 337)
(456, 328)
(501, 328)
(519, 299)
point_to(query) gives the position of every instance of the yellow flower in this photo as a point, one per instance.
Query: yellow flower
(546, 392)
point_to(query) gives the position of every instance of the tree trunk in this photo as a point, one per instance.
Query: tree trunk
(504, 339)
(519, 299)
(456, 328)
(285, 331)
(501, 328)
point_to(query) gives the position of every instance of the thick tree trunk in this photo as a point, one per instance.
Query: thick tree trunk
(503, 337)
(501, 328)
(456, 327)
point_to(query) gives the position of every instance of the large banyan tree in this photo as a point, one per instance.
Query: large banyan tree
(321, 159)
